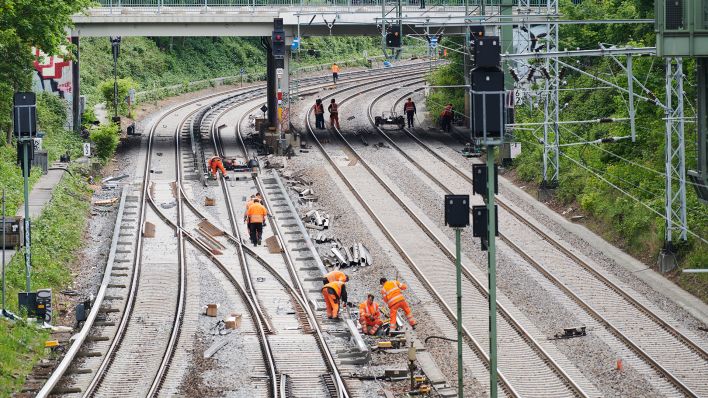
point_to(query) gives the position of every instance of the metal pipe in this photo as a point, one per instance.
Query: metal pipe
(25, 173)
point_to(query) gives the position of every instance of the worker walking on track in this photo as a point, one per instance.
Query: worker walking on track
(338, 276)
(446, 117)
(332, 293)
(255, 218)
(335, 72)
(370, 316)
(215, 164)
(333, 109)
(393, 297)
(410, 111)
(319, 114)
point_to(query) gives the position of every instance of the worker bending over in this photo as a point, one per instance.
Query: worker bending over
(332, 293)
(393, 297)
(370, 316)
(216, 163)
(341, 277)
(255, 217)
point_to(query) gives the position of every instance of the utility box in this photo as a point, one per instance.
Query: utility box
(457, 211)
(14, 236)
(681, 28)
(37, 304)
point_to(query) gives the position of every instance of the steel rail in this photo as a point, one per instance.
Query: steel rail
(557, 282)
(556, 367)
(342, 391)
(137, 258)
(297, 292)
(80, 337)
(477, 348)
(181, 298)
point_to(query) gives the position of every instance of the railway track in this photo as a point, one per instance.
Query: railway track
(528, 369)
(308, 374)
(109, 367)
(674, 354)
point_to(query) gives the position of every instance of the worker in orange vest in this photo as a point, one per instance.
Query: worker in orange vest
(332, 293)
(370, 316)
(338, 276)
(333, 109)
(335, 72)
(255, 218)
(216, 163)
(393, 297)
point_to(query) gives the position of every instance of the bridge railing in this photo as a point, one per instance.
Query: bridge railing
(159, 4)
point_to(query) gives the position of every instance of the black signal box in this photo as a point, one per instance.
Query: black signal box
(487, 103)
(476, 32)
(487, 52)
(479, 180)
(457, 211)
(24, 115)
(480, 224)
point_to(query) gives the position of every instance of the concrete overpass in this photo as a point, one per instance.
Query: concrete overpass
(243, 18)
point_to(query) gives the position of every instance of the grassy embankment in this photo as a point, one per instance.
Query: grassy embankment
(57, 235)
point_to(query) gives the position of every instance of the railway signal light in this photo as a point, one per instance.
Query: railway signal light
(457, 211)
(278, 39)
(24, 115)
(479, 180)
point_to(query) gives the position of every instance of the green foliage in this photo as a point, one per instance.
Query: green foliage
(23, 24)
(106, 139)
(107, 91)
(56, 237)
(620, 185)
(52, 112)
(21, 345)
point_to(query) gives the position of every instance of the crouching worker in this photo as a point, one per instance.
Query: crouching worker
(332, 293)
(215, 163)
(370, 316)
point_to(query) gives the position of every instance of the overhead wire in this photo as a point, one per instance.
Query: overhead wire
(588, 169)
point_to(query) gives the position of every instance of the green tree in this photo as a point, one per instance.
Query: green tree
(107, 91)
(24, 24)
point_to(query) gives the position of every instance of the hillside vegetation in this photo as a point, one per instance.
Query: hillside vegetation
(592, 176)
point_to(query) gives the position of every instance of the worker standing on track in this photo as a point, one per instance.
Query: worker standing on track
(333, 109)
(338, 276)
(332, 293)
(335, 72)
(370, 316)
(215, 164)
(319, 114)
(393, 297)
(256, 215)
(410, 111)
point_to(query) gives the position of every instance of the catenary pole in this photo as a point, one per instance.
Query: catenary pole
(4, 284)
(492, 272)
(25, 172)
(458, 267)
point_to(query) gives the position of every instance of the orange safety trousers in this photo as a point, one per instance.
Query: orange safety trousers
(215, 166)
(368, 326)
(332, 304)
(394, 312)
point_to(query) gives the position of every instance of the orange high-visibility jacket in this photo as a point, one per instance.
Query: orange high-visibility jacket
(256, 213)
(391, 292)
(335, 68)
(336, 276)
(335, 286)
(366, 310)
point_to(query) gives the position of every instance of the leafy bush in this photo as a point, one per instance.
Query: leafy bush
(106, 139)
(107, 91)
